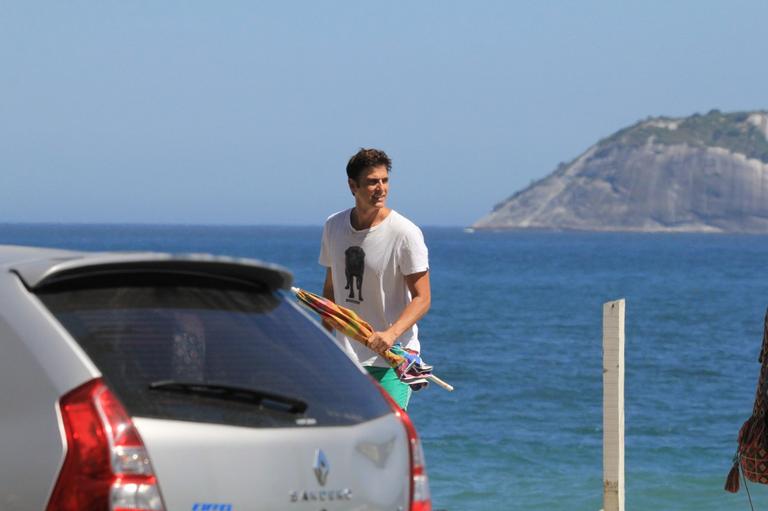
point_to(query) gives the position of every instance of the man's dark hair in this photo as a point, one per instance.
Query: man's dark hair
(366, 159)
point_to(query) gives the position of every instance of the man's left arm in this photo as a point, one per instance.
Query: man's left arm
(421, 298)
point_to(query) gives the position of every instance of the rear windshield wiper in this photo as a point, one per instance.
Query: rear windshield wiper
(234, 393)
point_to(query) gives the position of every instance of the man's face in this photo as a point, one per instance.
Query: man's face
(371, 188)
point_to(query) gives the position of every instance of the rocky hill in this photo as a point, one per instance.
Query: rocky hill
(703, 173)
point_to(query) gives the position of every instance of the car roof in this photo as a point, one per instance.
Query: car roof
(41, 267)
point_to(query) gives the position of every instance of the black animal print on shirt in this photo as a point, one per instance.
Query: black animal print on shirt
(354, 267)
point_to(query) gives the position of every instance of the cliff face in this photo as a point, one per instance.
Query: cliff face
(698, 174)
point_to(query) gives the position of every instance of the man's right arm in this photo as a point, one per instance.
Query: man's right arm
(328, 292)
(328, 285)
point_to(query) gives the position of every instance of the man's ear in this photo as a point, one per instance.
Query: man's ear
(352, 185)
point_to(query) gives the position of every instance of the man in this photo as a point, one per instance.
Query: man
(377, 265)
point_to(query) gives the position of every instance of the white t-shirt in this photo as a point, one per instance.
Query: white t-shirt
(369, 268)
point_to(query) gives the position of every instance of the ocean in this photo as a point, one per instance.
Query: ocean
(515, 326)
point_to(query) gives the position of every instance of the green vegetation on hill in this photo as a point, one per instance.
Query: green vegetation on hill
(715, 129)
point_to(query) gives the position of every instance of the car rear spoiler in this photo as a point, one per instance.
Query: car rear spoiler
(42, 273)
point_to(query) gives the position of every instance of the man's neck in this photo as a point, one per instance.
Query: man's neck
(368, 218)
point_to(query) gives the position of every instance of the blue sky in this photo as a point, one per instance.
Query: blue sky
(246, 112)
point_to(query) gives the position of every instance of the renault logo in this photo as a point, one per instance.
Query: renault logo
(321, 467)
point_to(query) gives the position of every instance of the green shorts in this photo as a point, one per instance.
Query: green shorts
(387, 378)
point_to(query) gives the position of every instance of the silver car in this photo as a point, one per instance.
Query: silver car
(146, 381)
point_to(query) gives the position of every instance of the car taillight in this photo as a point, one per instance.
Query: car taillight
(420, 497)
(106, 466)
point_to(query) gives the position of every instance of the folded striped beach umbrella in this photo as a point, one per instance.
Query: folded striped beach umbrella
(344, 320)
(409, 366)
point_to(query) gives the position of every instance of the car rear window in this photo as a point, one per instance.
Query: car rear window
(155, 329)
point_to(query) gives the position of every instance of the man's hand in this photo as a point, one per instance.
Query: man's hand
(381, 341)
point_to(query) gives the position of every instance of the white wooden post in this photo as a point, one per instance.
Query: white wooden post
(613, 405)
